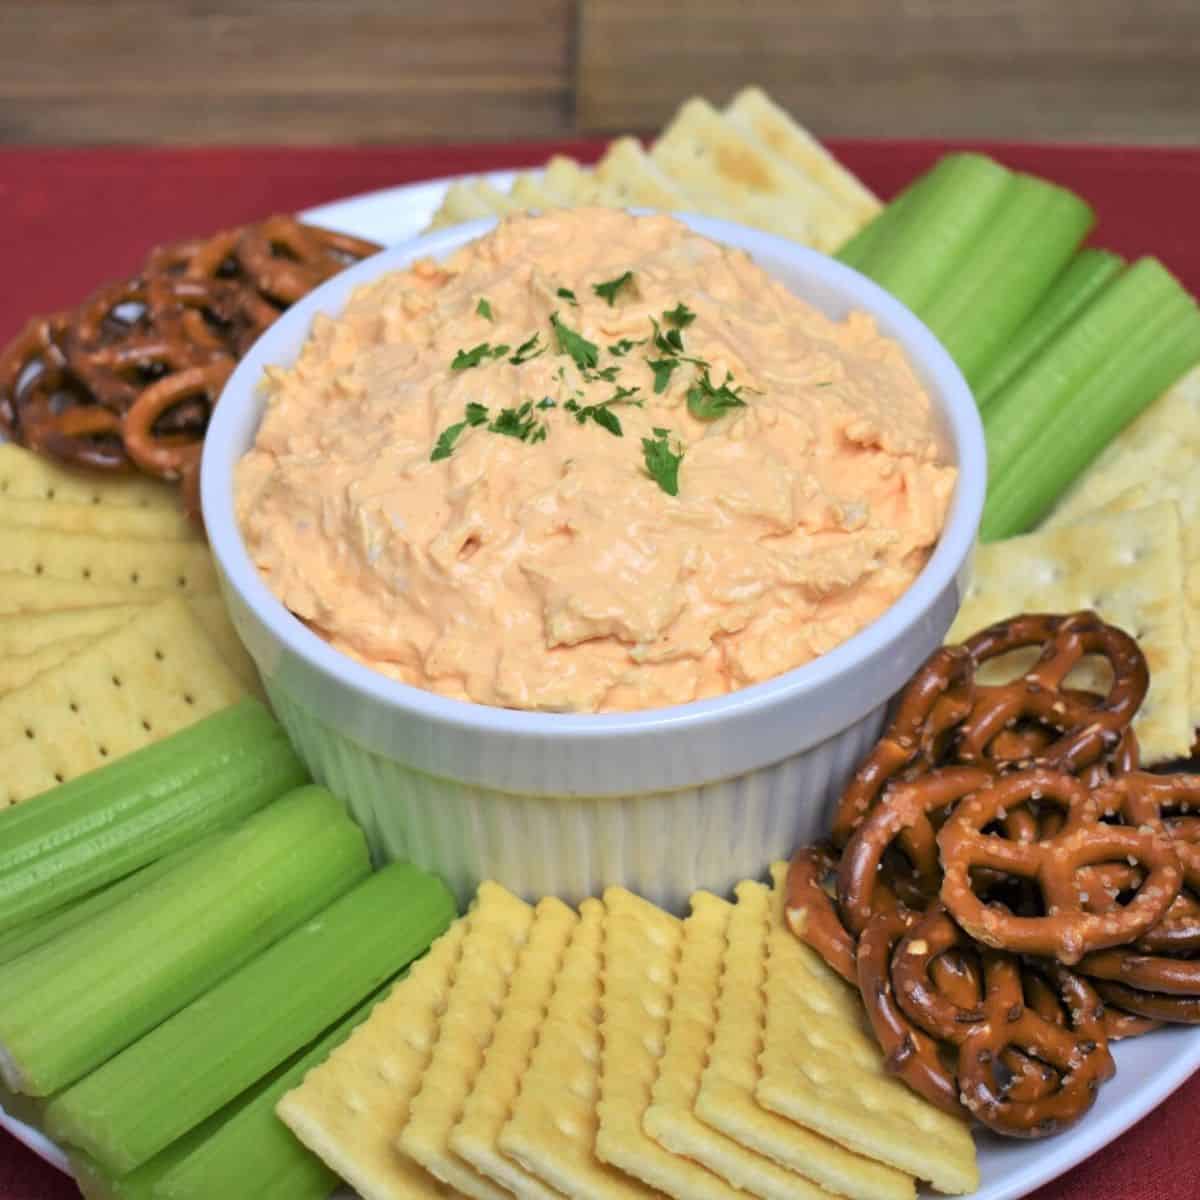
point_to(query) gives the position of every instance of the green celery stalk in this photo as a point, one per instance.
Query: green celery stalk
(244, 1152)
(93, 830)
(935, 233)
(39, 930)
(1016, 416)
(155, 1090)
(1087, 274)
(863, 244)
(1031, 236)
(69, 1005)
(1140, 370)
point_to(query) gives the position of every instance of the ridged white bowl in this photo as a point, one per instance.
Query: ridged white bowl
(663, 801)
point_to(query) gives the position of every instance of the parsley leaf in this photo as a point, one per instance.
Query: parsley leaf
(608, 374)
(445, 443)
(517, 422)
(567, 295)
(608, 290)
(530, 348)
(605, 418)
(472, 358)
(624, 395)
(662, 463)
(670, 342)
(477, 414)
(570, 342)
(662, 368)
(623, 347)
(484, 309)
(680, 316)
(706, 402)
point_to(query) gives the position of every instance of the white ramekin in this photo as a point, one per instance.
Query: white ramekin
(663, 801)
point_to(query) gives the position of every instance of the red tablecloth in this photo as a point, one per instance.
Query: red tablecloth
(72, 219)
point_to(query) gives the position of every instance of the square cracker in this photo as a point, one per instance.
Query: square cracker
(99, 520)
(136, 684)
(349, 1109)
(552, 1130)
(726, 1099)
(1163, 440)
(28, 476)
(753, 111)
(490, 1102)
(670, 1119)
(635, 178)
(730, 173)
(641, 948)
(121, 562)
(822, 1068)
(20, 593)
(16, 670)
(26, 633)
(499, 929)
(1127, 566)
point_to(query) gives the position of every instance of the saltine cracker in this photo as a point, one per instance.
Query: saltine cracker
(16, 670)
(28, 476)
(155, 522)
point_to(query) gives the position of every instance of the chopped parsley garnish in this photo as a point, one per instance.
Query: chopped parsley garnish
(546, 402)
(623, 347)
(472, 358)
(477, 414)
(609, 289)
(530, 348)
(608, 374)
(662, 463)
(598, 413)
(680, 316)
(670, 342)
(484, 309)
(662, 368)
(567, 295)
(519, 423)
(445, 443)
(570, 342)
(706, 402)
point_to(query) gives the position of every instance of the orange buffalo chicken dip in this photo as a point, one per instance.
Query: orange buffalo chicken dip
(591, 462)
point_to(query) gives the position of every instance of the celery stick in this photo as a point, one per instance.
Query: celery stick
(1139, 371)
(1016, 416)
(39, 930)
(24, 1108)
(243, 1152)
(864, 243)
(73, 1003)
(155, 1090)
(935, 233)
(1085, 276)
(75, 838)
(1014, 259)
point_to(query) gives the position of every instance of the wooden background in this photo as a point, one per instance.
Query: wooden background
(151, 71)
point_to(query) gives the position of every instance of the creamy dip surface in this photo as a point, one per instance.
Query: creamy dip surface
(591, 462)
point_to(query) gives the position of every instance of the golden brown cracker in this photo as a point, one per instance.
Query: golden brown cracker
(552, 1130)
(500, 925)
(1128, 566)
(641, 948)
(726, 1098)
(349, 1109)
(490, 1102)
(822, 1068)
(27, 476)
(670, 1119)
(132, 686)
(16, 670)
(120, 562)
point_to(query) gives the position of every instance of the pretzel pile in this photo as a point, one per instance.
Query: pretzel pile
(1005, 886)
(130, 377)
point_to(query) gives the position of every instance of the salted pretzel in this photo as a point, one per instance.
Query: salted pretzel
(1087, 730)
(945, 1007)
(286, 260)
(1068, 930)
(1078, 1052)
(1152, 1006)
(1146, 972)
(810, 913)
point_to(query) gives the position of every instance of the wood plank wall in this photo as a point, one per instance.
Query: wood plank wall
(153, 71)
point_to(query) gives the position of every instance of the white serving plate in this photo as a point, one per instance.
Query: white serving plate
(1148, 1069)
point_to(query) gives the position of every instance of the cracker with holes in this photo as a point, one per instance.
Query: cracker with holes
(21, 593)
(1128, 567)
(26, 633)
(119, 562)
(490, 1103)
(99, 520)
(552, 1130)
(134, 685)
(16, 670)
(499, 928)
(670, 1121)
(28, 476)
(349, 1110)
(641, 948)
(822, 1068)
(725, 1100)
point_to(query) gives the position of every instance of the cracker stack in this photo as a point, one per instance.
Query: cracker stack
(112, 633)
(749, 162)
(621, 1052)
